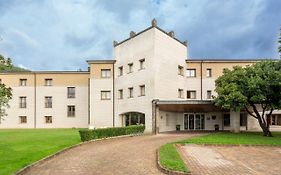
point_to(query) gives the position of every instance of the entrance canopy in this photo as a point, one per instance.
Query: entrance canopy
(187, 106)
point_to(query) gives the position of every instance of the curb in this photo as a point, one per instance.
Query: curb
(165, 170)
(229, 145)
(38, 162)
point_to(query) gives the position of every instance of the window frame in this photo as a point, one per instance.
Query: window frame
(131, 92)
(70, 95)
(23, 119)
(180, 93)
(107, 73)
(71, 113)
(130, 68)
(106, 97)
(121, 94)
(189, 74)
(209, 95)
(23, 103)
(189, 94)
(121, 70)
(142, 61)
(180, 70)
(208, 73)
(142, 90)
(48, 119)
(48, 104)
(48, 80)
(23, 80)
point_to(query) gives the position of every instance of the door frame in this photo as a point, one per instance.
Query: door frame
(194, 121)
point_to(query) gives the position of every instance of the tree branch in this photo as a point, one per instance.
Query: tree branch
(250, 113)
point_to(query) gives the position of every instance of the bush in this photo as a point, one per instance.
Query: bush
(88, 134)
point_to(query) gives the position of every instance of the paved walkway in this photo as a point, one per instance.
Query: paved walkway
(232, 160)
(131, 155)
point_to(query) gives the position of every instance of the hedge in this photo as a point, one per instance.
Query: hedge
(92, 134)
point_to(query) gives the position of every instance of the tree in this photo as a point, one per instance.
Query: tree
(5, 92)
(256, 88)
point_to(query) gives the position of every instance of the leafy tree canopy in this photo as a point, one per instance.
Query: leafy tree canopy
(256, 88)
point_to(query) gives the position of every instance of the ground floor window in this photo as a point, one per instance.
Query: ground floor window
(134, 118)
(275, 119)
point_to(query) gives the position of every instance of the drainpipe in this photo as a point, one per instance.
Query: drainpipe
(34, 99)
(113, 103)
(201, 79)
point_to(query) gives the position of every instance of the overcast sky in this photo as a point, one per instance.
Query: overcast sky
(62, 34)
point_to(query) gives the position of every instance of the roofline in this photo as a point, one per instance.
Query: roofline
(151, 27)
(46, 72)
(101, 61)
(230, 60)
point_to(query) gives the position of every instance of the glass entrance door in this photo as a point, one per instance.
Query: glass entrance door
(194, 121)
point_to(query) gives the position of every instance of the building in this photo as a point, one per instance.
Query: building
(150, 81)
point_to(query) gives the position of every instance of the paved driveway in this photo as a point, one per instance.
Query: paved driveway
(232, 160)
(131, 155)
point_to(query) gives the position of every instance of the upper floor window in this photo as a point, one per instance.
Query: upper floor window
(70, 111)
(48, 119)
(208, 72)
(191, 72)
(70, 92)
(130, 68)
(120, 70)
(105, 73)
(142, 90)
(48, 82)
(191, 94)
(209, 94)
(23, 82)
(180, 70)
(142, 61)
(180, 93)
(23, 119)
(48, 102)
(131, 92)
(120, 93)
(22, 102)
(105, 95)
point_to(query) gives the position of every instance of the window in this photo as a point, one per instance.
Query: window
(275, 119)
(71, 92)
(191, 72)
(22, 119)
(70, 111)
(48, 119)
(120, 70)
(105, 95)
(120, 93)
(48, 82)
(131, 92)
(191, 94)
(105, 73)
(180, 93)
(142, 61)
(134, 118)
(48, 102)
(209, 94)
(130, 67)
(208, 72)
(142, 90)
(23, 82)
(22, 102)
(180, 70)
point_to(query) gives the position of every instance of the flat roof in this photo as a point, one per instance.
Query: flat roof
(101, 61)
(46, 72)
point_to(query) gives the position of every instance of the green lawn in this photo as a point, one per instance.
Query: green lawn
(169, 157)
(21, 147)
(243, 138)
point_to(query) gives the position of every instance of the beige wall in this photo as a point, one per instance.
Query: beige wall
(95, 69)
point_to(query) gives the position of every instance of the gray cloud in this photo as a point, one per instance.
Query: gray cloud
(54, 35)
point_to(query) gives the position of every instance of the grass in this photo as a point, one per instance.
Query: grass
(170, 158)
(21, 147)
(243, 138)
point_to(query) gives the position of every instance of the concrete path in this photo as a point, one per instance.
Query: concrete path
(232, 160)
(131, 155)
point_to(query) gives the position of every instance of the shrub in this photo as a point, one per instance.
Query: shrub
(88, 134)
